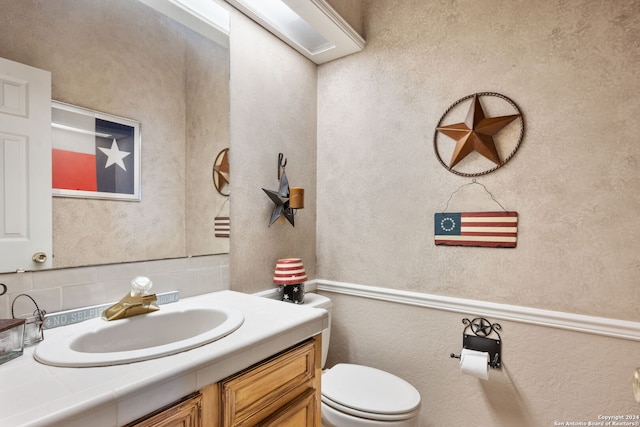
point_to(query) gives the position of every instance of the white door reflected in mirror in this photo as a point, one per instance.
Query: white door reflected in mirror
(25, 167)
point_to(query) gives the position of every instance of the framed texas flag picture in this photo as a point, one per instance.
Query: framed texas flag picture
(94, 154)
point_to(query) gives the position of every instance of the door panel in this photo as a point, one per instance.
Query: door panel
(25, 167)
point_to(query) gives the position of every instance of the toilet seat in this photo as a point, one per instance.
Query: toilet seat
(367, 415)
(370, 393)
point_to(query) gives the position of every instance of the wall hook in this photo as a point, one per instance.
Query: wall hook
(287, 200)
(281, 165)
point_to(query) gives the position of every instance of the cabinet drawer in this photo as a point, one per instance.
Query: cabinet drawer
(300, 412)
(251, 394)
(184, 413)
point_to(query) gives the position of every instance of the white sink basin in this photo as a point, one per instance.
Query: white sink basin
(174, 328)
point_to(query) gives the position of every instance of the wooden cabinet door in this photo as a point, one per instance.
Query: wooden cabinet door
(283, 391)
(185, 413)
(286, 387)
(300, 412)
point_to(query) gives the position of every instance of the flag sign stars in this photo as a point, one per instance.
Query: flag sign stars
(447, 224)
(114, 155)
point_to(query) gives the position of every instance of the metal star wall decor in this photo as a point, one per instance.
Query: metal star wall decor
(221, 172)
(481, 326)
(476, 133)
(280, 197)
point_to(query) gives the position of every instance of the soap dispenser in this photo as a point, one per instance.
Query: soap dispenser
(138, 301)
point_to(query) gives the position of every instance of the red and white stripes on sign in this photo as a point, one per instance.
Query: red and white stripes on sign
(289, 271)
(489, 229)
(222, 226)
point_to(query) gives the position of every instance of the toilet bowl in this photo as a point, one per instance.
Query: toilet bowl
(362, 396)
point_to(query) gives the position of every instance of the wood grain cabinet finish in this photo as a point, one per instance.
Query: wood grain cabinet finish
(302, 411)
(185, 413)
(282, 391)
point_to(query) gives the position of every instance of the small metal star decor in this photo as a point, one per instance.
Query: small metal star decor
(221, 178)
(280, 197)
(490, 138)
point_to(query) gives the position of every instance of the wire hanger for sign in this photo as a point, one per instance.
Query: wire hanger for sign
(223, 206)
(472, 183)
(497, 229)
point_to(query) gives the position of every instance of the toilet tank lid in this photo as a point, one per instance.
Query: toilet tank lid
(369, 390)
(318, 301)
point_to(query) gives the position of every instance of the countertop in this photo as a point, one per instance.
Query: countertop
(34, 394)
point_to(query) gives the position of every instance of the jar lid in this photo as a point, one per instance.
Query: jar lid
(6, 324)
(289, 271)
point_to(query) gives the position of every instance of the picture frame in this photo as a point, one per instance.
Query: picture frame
(93, 154)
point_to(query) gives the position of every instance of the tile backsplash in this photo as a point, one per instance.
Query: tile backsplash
(68, 288)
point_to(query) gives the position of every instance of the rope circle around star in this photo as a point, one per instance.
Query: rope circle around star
(513, 152)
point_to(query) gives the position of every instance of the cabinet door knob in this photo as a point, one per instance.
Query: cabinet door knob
(39, 257)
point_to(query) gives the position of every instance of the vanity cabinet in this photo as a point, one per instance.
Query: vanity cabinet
(282, 391)
(185, 413)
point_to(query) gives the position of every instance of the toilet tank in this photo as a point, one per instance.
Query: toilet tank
(319, 301)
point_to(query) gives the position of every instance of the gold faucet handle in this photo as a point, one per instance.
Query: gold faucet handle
(148, 299)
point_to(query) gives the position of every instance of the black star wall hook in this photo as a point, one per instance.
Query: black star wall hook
(281, 200)
(286, 200)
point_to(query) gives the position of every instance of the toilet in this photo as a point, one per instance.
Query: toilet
(361, 396)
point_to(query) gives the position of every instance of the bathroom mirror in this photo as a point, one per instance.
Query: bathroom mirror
(125, 58)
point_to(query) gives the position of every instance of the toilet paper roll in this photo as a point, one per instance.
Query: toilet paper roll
(475, 363)
(636, 384)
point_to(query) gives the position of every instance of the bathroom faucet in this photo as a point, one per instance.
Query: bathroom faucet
(136, 302)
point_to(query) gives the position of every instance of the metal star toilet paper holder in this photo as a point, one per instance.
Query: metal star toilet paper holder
(477, 336)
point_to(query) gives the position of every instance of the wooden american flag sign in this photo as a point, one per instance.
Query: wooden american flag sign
(486, 229)
(222, 226)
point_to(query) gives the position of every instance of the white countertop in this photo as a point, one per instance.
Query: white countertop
(34, 394)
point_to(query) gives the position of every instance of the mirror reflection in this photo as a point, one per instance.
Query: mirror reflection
(126, 59)
(221, 174)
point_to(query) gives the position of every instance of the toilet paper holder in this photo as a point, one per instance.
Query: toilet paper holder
(477, 336)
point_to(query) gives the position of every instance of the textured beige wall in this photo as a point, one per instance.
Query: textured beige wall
(571, 66)
(273, 110)
(548, 376)
(122, 58)
(207, 104)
